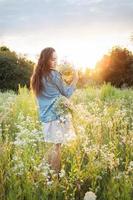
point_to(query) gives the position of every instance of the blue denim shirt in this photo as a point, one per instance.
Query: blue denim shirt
(53, 89)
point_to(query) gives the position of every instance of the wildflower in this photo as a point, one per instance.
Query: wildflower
(62, 119)
(130, 167)
(62, 173)
(90, 196)
(131, 163)
(99, 177)
(63, 105)
(49, 182)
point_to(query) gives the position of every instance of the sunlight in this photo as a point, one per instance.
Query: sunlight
(86, 54)
(81, 52)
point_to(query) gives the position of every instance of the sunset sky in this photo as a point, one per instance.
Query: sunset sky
(80, 31)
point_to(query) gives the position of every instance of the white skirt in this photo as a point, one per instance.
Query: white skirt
(59, 131)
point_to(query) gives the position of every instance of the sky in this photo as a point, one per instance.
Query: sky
(80, 31)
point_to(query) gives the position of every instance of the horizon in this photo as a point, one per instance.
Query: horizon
(81, 32)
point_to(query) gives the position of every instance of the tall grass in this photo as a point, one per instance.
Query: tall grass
(99, 160)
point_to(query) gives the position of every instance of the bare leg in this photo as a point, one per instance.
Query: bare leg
(54, 158)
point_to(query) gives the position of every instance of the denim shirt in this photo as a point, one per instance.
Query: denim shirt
(54, 87)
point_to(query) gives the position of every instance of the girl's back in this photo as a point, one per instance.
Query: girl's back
(53, 87)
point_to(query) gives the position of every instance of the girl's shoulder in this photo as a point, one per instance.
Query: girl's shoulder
(56, 72)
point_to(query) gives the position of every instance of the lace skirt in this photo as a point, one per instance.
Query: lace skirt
(59, 131)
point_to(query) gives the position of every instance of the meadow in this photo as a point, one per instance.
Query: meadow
(99, 160)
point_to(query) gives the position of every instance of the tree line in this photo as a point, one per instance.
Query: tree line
(116, 67)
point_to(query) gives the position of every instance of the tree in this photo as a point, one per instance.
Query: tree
(116, 67)
(14, 70)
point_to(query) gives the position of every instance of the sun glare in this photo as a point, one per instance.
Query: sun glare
(81, 52)
(85, 57)
(86, 54)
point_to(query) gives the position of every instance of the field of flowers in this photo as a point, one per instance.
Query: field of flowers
(97, 165)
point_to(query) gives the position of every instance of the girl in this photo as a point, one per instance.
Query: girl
(47, 84)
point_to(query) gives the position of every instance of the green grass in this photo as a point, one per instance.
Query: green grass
(100, 160)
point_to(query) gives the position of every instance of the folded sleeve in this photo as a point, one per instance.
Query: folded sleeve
(65, 90)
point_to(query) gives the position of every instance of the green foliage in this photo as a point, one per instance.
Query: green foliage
(99, 160)
(14, 70)
(116, 67)
(108, 92)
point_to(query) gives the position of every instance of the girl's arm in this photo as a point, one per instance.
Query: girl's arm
(65, 90)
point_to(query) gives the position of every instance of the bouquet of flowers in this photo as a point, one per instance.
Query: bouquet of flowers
(63, 107)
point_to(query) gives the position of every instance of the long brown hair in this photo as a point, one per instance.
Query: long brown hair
(41, 69)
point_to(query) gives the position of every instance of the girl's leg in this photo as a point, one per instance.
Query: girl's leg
(54, 157)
